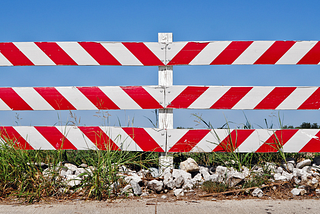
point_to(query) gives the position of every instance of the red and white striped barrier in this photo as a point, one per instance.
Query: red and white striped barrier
(159, 54)
(81, 98)
(154, 97)
(244, 53)
(83, 138)
(81, 53)
(148, 139)
(258, 97)
(245, 140)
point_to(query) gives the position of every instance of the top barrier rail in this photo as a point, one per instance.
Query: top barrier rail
(160, 54)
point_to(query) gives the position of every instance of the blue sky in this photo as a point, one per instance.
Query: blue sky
(142, 21)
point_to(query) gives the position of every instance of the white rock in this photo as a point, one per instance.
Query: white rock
(179, 181)
(178, 192)
(155, 185)
(189, 165)
(73, 180)
(234, 177)
(197, 178)
(80, 171)
(257, 193)
(126, 189)
(288, 176)
(295, 191)
(303, 163)
(71, 166)
(279, 177)
(204, 172)
(136, 188)
(279, 170)
(154, 172)
(134, 177)
(289, 166)
(164, 197)
(245, 171)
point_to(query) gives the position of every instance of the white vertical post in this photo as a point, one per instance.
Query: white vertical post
(165, 79)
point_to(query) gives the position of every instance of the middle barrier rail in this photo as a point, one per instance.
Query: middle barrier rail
(155, 140)
(159, 97)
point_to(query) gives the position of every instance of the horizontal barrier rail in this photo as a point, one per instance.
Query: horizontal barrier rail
(159, 54)
(157, 97)
(156, 140)
(81, 98)
(230, 97)
(83, 138)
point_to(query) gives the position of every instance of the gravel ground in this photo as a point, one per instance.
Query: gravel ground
(185, 207)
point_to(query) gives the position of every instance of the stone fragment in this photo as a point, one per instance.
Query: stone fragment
(189, 165)
(279, 170)
(204, 172)
(298, 191)
(73, 180)
(83, 165)
(279, 177)
(126, 189)
(134, 177)
(179, 181)
(234, 177)
(136, 188)
(289, 166)
(178, 192)
(304, 163)
(154, 172)
(164, 197)
(155, 185)
(71, 167)
(257, 193)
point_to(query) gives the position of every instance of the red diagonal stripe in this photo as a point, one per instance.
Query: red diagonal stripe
(233, 140)
(142, 97)
(188, 53)
(277, 140)
(13, 138)
(13, 54)
(56, 53)
(54, 98)
(99, 138)
(187, 97)
(231, 97)
(231, 53)
(98, 98)
(275, 98)
(13, 100)
(275, 52)
(99, 53)
(143, 139)
(313, 102)
(143, 53)
(55, 137)
(313, 145)
(189, 140)
(312, 57)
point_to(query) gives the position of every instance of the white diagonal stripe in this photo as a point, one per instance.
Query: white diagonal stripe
(4, 106)
(121, 53)
(154, 91)
(253, 52)
(300, 139)
(297, 98)
(158, 135)
(76, 98)
(211, 140)
(33, 98)
(120, 98)
(296, 52)
(34, 138)
(253, 97)
(76, 137)
(173, 49)
(155, 48)
(254, 141)
(77, 53)
(209, 97)
(209, 53)
(174, 135)
(34, 53)
(172, 92)
(121, 139)
(4, 61)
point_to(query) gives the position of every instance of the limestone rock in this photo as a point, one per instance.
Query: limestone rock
(257, 193)
(155, 185)
(178, 192)
(136, 188)
(189, 165)
(304, 163)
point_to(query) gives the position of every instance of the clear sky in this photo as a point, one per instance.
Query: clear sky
(81, 20)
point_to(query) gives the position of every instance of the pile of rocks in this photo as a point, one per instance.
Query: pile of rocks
(190, 175)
